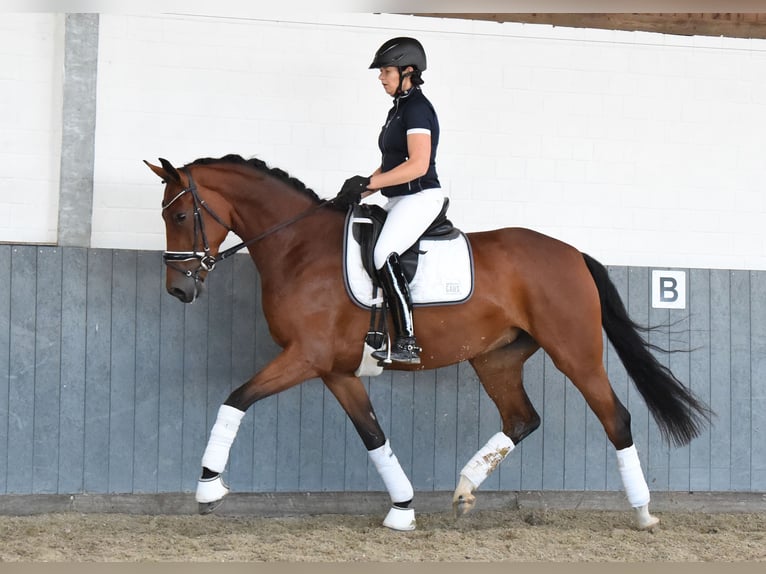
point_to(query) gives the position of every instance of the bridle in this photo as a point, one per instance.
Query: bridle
(206, 261)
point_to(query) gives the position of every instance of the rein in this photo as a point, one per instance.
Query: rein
(206, 260)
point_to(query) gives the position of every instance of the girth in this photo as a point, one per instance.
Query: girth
(368, 220)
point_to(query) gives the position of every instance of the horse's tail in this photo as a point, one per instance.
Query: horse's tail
(679, 414)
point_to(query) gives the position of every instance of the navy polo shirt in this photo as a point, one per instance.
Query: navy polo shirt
(412, 113)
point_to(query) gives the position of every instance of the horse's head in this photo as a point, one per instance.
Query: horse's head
(194, 229)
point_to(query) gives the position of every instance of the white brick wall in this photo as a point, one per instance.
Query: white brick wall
(641, 149)
(30, 126)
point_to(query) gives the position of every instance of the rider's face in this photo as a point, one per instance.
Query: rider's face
(389, 77)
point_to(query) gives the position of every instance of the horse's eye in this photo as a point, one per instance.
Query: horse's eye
(180, 217)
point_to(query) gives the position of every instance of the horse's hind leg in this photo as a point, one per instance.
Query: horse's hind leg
(615, 418)
(500, 372)
(581, 361)
(570, 330)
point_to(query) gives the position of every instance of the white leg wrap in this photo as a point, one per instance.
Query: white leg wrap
(387, 465)
(221, 438)
(632, 476)
(487, 458)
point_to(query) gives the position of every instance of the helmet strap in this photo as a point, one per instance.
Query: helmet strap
(402, 75)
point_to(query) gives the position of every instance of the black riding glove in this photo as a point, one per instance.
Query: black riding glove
(352, 190)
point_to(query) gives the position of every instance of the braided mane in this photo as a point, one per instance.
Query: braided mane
(261, 166)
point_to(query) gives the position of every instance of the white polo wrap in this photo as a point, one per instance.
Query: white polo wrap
(632, 476)
(487, 458)
(221, 438)
(387, 465)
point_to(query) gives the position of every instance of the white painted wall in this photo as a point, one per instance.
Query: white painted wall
(641, 149)
(31, 61)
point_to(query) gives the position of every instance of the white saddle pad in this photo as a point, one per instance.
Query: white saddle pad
(444, 275)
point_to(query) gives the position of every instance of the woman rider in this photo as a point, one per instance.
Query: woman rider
(407, 177)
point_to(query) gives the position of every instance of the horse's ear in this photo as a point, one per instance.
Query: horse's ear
(167, 172)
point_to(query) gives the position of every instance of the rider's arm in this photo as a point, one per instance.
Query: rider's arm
(416, 165)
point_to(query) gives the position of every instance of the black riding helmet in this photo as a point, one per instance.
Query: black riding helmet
(400, 52)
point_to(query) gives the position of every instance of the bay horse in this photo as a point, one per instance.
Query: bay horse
(531, 291)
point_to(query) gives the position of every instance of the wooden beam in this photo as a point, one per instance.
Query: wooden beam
(732, 25)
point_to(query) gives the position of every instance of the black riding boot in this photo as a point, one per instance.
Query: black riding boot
(404, 348)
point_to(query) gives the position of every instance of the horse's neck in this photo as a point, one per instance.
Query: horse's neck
(290, 228)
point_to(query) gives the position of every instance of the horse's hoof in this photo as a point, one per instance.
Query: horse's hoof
(210, 493)
(208, 507)
(462, 505)
(645, 520)
(402, 519)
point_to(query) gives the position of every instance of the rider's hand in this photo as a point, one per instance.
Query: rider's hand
(352, 190)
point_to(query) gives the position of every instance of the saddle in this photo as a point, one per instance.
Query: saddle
(368, 220)
(439, 268)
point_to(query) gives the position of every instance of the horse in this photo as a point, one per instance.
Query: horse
(530, 291)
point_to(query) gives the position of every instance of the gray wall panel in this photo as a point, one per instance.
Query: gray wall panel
(758, 378)
(445, 449)
(720, 395)
(21, 375)
(243, 363)
(73, 352)
(122, 396)
(678, 362)
(699, 373)
(111, 385)
(402, 420)
(196, 425)
(310, 447)
(423, 432)
(553, 413)
(47, 371)
(530, 455)
(264, 413)
(171, 394)
(149, 290)
(98, 371)
(741, 447)
(288, 439)
(5, 360)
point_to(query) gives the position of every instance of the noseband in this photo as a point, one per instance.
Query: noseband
(206, 261)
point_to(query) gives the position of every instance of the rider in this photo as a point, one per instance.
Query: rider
(407, 177)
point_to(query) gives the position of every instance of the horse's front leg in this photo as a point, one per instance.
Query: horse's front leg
(353, 397)
(288, 369)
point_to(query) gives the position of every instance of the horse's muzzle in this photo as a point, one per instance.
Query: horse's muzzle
(185, 288)
(180, 294)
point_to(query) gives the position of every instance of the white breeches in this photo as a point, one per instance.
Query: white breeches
(408, 217)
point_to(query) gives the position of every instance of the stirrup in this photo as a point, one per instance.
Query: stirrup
(403, 350)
